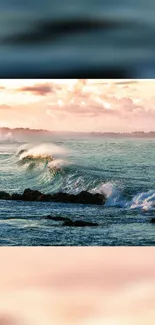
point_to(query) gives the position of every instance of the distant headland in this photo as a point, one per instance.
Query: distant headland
(28, 131)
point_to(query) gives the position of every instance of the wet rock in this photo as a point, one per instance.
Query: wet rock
(16, 197)
(31, 195)
(58, 218)
(44, 198)
(152, 220)
(4, 196)
(63, 197)
(69, 223)
(89, 198)
(83, 197)
(79, 223)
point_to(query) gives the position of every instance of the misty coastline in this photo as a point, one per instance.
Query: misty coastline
(27, 134)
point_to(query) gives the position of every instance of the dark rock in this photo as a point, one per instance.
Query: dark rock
(31, 195)
(4, 196)
(79, 223)
(16, 197)
(69, 223)
(44, 198)
(83, 197)
(57, 218)
(152, 220)
(89, 198)
(63, 197)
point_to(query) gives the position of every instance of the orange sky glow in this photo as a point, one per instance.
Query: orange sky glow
(87, 105)
(87, 286)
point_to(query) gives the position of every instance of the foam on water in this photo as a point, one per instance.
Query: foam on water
(57, 163)
(49, 168)
(58, 173)
(144, 200)
(122, 169)
(112, 192)
(115, 197)
(43, 150)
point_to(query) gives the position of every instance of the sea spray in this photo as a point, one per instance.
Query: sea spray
(144, 200)
(61, 174)
(43, 150)
(7, 138)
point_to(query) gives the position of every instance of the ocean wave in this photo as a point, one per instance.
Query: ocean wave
(44, 153)
(41, 150)
(144, 200)
(116, 198)
(47, 167)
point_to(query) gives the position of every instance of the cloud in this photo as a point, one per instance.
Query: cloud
(4, 106)
(128, 82)
(83, 110)
(116, 105)
(91, 106)
(39, 90)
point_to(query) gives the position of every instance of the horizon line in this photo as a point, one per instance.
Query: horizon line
(86, 132)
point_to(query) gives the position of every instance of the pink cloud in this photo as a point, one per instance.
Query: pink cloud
(37, 89)
(83, 106)
(4, 106)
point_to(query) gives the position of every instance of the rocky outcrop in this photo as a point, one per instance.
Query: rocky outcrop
(44, 198)
(89, 198)
(16, 197)
(83, 197)
(4, 196)
(79, 223)
(31, 195)
(63, 197)
(57, 218)
(69, 223)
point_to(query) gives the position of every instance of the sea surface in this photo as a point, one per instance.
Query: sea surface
(115, 38)
(122, 168)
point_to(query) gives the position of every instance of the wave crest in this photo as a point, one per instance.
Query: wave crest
(40, 154)
(51, 171)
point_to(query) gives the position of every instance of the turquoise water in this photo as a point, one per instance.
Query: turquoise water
(121, 168)
(118, 44)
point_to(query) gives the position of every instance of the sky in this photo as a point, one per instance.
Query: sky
(94, 286)
(87, 105)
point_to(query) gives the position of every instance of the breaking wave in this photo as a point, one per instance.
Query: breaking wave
(42, 154)
(49, 168)
(116, 198)
(44, 150)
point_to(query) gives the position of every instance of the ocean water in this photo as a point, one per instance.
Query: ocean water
(61, 39)
(122, 168)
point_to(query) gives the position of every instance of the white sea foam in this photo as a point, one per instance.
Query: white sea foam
(144, 200)
(44, 150)
(42, 153)
(74, 181)
(57, 163)
(114, 194)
